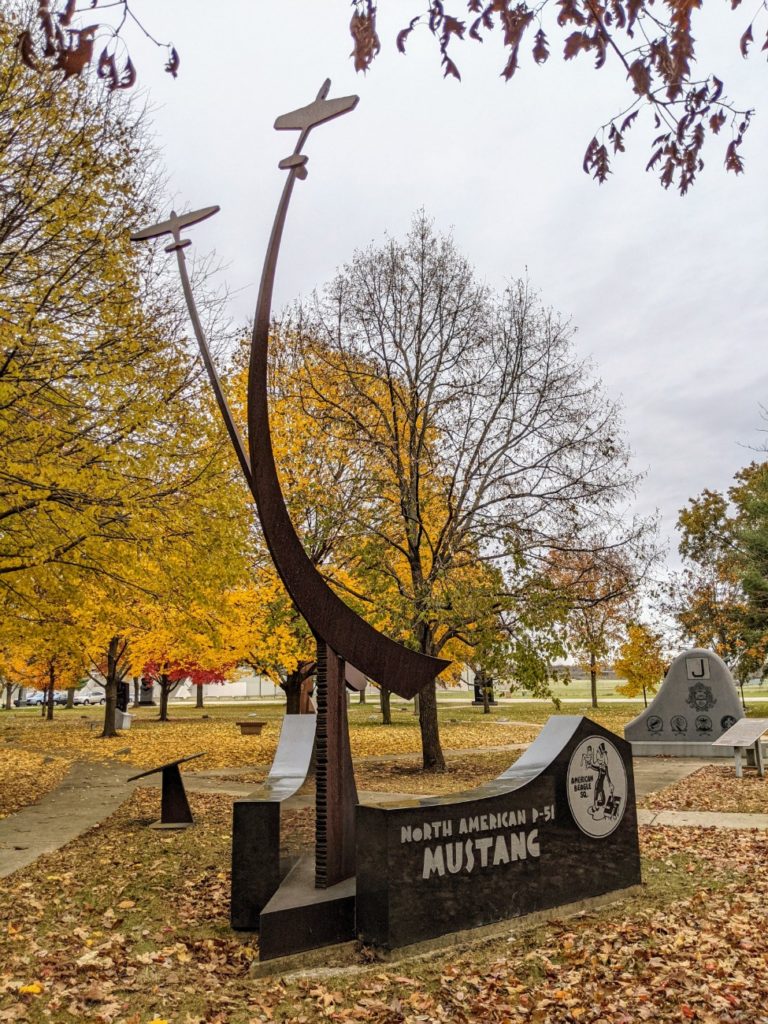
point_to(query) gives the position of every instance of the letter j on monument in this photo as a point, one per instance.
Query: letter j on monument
(558, 827)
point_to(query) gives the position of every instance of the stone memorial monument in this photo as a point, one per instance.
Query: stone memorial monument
(698, 702)
(558, 827)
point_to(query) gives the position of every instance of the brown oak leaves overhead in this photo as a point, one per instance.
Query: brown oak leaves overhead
(654, 42)
(58, 42)
(655, 45)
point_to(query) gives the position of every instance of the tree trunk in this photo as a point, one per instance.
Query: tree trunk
(136, 684)
(110, 703)
(165, 692)
(292, 689)
(416, 704)
(70, 696)
(386, 708)
(51, 681)
(8, 695)
(110, 689)
(432, 752)
(593, 678)
(44, 705)
(200, 703)
(645, 696)
(362, 699)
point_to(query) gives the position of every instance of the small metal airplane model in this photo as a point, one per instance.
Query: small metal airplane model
(304, 119)
(318, 112)
(173, 226)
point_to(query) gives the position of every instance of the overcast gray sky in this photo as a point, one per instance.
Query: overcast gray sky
(668, 294)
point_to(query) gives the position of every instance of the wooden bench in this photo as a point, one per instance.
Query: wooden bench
(251, 727)
(174, 806)
(746, 736)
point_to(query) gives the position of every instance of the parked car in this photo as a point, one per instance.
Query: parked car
(89, 698)
(37, 697)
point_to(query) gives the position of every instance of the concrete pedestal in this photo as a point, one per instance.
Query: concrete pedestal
(671, 749)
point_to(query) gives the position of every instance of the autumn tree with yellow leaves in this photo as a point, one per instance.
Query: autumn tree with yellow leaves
(114, 463)
(489, 441)
(640, 661)
(598, 589)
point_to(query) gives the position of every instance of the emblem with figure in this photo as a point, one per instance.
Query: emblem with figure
(597, 787)
(700, 697)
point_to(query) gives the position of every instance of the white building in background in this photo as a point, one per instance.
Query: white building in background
(245, 685)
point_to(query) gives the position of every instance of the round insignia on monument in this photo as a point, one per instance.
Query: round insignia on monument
(597, 787)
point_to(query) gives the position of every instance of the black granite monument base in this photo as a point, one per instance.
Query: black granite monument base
(300, 916)
(558, 827)
(257, 868)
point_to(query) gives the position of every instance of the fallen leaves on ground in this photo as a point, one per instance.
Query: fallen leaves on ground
(27, 777)
(127, 926)
(407, 776)
(714, 788)
(465, 772)
(150, 743)
(401, 738)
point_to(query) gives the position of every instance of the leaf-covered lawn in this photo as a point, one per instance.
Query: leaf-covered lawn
(406, 776)
(464, 772)
(150, 742)
(714, 788)
(75, 733)
(127, 926)
(27, 777)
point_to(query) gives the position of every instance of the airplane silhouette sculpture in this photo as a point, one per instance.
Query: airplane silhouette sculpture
(341, 635)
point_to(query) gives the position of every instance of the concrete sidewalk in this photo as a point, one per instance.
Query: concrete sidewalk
(92, 791)
(702, 819)
(88, 794)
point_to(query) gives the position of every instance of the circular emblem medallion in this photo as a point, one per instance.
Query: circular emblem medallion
(597, 787)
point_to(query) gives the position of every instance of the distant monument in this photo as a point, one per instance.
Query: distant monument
(698, 702)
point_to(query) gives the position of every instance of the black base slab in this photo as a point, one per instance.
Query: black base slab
(300, 917)
(558, 827)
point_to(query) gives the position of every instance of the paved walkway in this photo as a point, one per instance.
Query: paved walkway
(655, 773)
(92, 791)
(88, 794)
(701, 819)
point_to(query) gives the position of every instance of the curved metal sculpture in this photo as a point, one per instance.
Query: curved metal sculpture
(342, 635)
(401, 670)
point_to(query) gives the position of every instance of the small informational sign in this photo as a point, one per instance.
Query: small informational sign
(744, 733)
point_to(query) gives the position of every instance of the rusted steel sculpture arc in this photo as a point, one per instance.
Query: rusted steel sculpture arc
(401, 670)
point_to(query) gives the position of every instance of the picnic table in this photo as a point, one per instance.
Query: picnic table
(746, 735)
